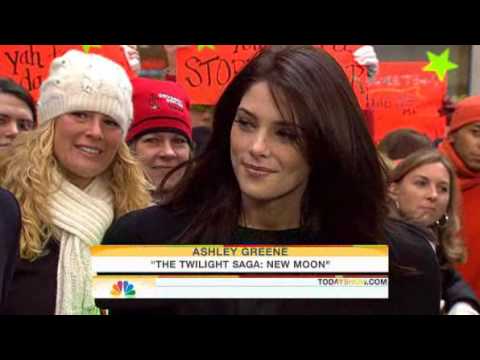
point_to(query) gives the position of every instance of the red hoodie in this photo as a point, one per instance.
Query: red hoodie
(469, 182)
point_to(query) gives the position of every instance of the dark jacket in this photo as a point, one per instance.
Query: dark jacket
(455, 289)
(10, 227)
(34, 285)
(414, 276)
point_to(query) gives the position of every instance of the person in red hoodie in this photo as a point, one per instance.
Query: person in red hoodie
(462, 147)
(161, 132)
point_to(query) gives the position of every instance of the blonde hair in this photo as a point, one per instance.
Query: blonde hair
(448, 235)
(27, 169)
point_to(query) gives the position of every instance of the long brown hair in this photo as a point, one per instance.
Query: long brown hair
(400, 143)
(344, 201)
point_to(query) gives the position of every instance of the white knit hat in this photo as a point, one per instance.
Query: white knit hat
(86, 82)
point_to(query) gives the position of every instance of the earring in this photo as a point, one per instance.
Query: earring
(397, 204)
(442, 221)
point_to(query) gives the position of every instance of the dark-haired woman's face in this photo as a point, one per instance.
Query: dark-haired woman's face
(423, 194)
(266, 160)
(159, 153)
(15, 116)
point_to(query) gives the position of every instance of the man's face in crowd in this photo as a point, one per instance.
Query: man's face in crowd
(466, 142)
(15, 116)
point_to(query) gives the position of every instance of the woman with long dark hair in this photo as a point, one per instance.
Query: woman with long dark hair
(290, 161)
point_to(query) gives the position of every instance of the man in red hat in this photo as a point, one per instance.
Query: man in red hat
(462, 147)
(161, 132)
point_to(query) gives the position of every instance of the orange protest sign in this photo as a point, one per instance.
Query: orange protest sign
(357, 73)
(404, 96)
(29, 64)
(205, 70)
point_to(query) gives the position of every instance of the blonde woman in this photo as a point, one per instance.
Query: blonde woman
(72, 177)
(423, 189)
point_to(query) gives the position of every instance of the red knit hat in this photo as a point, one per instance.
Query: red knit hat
(159, 106)
(467, 111)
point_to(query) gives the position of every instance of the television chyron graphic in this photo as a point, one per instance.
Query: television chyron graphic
(123, 288)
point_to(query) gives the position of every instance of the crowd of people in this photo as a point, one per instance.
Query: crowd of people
(284, 158)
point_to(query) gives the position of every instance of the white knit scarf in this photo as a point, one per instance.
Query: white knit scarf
(80, 218)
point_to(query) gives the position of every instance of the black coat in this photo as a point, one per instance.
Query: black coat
(414, 280)
(28, 288)
(10, 227)
(455, 289)
(34, 287)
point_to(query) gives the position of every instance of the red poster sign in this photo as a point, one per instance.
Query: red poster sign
(404, 96)
(29, 64)
(205, 70)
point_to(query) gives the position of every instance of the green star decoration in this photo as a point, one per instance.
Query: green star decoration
(86, 48)
(201, 47)
(440, 64)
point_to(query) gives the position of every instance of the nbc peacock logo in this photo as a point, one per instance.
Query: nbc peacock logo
(123, 287)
